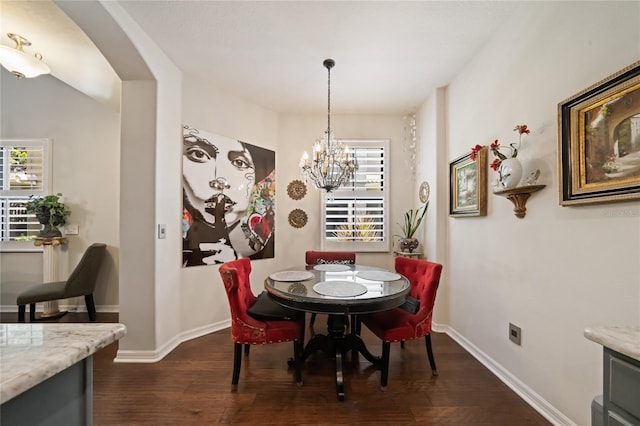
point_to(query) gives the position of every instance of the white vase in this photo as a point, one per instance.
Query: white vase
(509, 173)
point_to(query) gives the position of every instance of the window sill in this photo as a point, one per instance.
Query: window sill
(19, 247)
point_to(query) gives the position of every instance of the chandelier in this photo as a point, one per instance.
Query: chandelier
(331, 165)
(18, 62)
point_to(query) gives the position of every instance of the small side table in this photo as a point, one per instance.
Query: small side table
(415, 254)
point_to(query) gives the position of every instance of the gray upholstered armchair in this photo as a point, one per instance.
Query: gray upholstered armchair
(81, 282)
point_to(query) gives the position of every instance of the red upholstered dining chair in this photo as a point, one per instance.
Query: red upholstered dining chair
(319, 257)
(313, 257)
(247, 330)
(398, 324)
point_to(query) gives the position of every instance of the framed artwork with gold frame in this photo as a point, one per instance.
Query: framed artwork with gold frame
(468, 185)
(599, 141)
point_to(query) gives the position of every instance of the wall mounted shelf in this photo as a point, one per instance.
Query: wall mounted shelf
(519, 196)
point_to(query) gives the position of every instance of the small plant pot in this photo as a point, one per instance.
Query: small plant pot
(47, 231)
(408, 245)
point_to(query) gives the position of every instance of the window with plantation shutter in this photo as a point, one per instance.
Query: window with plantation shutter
(354, 216)
(24, 172)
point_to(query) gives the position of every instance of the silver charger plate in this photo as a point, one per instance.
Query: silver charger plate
(331, 267)
(339, 288)
(291, 275)
(379, 275)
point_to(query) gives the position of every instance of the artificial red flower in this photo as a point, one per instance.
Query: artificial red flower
(475, 150)
(495, 147)
(495, 163)
(522, 128)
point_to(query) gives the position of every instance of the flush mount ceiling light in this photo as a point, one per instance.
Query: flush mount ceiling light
(330, 167)
(19, 63)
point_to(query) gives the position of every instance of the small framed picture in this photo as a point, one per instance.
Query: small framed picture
(599, 141)
(468, 185)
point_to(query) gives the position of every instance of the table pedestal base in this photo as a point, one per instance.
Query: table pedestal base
(336, 344)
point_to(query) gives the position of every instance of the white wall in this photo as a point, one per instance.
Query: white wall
(433, 168)
(86, 166)
(297, 134)
(151, 106)
(204, 300)
(560, 269)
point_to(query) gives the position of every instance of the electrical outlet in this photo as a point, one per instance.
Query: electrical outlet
(71, 229)
(515, 334)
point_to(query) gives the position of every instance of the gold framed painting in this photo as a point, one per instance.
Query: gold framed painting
(468, 185)
(599, 141)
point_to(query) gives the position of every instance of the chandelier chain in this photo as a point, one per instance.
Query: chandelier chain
(332, 164)
(329, 99)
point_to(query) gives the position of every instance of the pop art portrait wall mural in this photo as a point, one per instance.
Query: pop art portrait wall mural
(228, 199)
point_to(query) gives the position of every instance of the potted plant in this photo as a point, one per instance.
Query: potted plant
(50, 212)
(412, 221)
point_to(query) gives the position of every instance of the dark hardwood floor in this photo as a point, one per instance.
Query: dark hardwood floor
(192, 385)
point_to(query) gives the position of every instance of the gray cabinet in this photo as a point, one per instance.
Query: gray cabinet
(621, 398)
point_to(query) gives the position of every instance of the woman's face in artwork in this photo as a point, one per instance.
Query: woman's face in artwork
(214, 167)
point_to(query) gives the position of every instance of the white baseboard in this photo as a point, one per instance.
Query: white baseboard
(538, 403)
(156, 355)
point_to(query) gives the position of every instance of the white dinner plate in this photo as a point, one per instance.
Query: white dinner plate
(291, 275)
(331, 267)
(379, 275)
(339, 288)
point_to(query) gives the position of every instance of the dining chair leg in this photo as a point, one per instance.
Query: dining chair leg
(91, 306)
(21, 312)
(246, 349)
(384, 369)
(32, 312)
(237, 361)
(297, 359)
(432, 361)
(312, 320)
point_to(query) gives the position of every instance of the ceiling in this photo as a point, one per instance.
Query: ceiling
(389, 54)
(70, 54)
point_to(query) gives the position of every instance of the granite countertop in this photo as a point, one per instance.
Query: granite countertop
(625, 340)
(31, 353)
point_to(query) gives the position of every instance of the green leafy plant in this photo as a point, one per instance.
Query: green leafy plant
(49, 205)
(412, 221)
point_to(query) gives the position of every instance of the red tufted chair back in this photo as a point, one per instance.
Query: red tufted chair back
(318, 257)
(424, 277)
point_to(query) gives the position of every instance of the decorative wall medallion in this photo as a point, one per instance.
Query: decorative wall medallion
(296, 189)
(297, 218)
(423, 193)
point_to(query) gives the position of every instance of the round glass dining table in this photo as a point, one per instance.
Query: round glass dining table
(339, 291)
